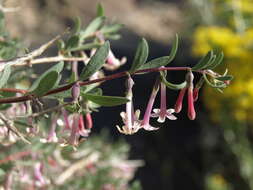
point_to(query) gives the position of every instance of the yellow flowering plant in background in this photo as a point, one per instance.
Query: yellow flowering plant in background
(234, 36)
(227, 25)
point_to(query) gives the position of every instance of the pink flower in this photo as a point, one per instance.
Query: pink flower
(146, 118)
(162, 113)
(191, 109)
(112, 63)
(191, 97)
(179, 102)
(130, 119)
(40, 181)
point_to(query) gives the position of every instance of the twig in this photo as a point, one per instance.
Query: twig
(45, 111)
(28, 57)
(9, 9)
(51, 60)
(15, 156)
(110, 77)
(10, 125)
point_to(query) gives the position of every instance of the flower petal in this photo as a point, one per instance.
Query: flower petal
(161, 119)
(170, 111)
(171, 117)
(149, 127)
(157, 111)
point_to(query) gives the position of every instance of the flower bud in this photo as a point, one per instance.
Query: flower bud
(75, 91)
(191, 109)
(88, 120)
(195, 94)
(178, 105)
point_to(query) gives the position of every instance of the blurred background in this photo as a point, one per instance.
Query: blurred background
(214, 152)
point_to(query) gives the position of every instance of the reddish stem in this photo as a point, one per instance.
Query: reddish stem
(15, 156)
(110, 77)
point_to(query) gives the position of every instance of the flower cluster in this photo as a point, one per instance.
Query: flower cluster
(130, 118)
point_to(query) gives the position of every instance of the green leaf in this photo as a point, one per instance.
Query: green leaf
(112, 36)
(141, 55)
(5, 75)
(100, 10)
(57, 81)
(73, 42)
(224, 78)
(171, 85)
(46, 83)
(92, 27)
(218, 59)
(158, 62)
(173, 49)
(106, 100)
(86, 46)
(96, 61)
(204, 61)
(77, 25)
(60, 44)
(113, 28)
(218, 85)
(57, 68)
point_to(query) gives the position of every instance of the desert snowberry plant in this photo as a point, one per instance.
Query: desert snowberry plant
(25, 118)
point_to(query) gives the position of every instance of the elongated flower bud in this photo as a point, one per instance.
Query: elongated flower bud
(191, 109)
(195, 94)
(88, 121)
(75, 91)
(178, 105)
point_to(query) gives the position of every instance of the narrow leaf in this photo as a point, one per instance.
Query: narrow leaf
(173, 49)
(224, 78)
(140, 56)
(5, 75)
(96, 61)
(158, 62)
(106, 100)
(222, 85)
(77, 25)
(92, 27)
(46, 83)
(72, 42)
(111, 28)
(171, 85)
(100, 10)
(204, 61)
(86, 46)
(217, 61)
(57, 68)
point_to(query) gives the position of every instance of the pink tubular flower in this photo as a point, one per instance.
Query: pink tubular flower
(40, 181)
(74, 136)
(192, 96)
(130, 119)
(75, 92)
(179, 102)
(145, 122)
(162, 113)
(191, 109)
(195, 94)
(112, 63)
(88, 121)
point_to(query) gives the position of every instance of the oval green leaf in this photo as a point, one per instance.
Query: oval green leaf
(106, 100)
(141, 55)
(57, 68)
(46, 83)
(158, 62)
(96, 61)
(5, 75)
